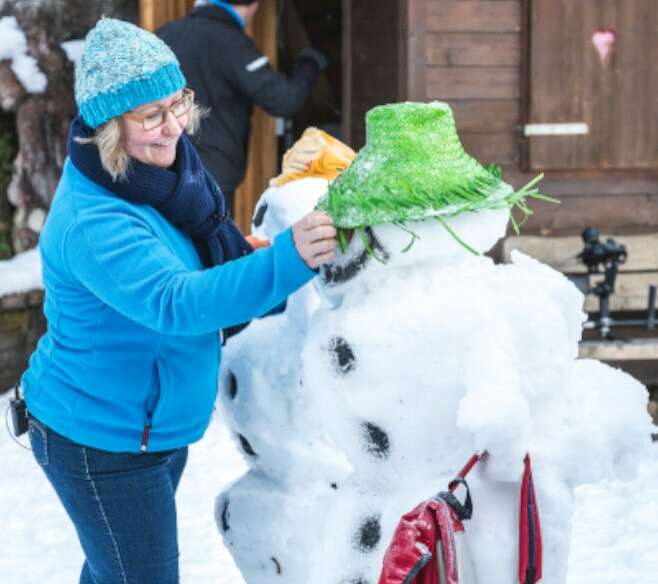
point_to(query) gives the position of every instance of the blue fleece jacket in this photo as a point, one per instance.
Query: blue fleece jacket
(133, 319)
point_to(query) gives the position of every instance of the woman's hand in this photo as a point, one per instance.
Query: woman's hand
(315, 239)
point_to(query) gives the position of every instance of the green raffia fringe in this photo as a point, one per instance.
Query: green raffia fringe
(412, 167)
(514, 201)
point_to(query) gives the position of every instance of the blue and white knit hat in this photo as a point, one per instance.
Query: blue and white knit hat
(122, 67)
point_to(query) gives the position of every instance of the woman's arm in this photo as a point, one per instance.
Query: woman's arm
(120, 260)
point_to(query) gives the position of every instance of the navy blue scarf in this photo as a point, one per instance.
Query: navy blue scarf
(185, 194)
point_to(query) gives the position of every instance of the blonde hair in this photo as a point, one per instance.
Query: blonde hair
(109, 140)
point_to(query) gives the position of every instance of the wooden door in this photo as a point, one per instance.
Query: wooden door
(571, 81)
(154, 13)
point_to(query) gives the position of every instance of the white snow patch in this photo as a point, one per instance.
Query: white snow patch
(73, 50)
(14, 48)
(21, 273)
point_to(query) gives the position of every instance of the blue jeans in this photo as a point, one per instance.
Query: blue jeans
(122, 506)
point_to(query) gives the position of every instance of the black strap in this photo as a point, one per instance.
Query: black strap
(531, 569)
(462, 510)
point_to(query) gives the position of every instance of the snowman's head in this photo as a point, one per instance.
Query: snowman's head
(413, 195)
(426, 245)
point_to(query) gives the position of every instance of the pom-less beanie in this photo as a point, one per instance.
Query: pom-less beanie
(122, 67)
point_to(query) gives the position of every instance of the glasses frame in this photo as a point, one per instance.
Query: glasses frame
(187, 94)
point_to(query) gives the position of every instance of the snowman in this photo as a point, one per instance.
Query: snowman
(408, 353)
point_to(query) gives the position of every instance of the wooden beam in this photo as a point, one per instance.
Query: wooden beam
(633, 350)
(263, 147)
(473, 82)
(560, 252)
(474, 16)
(473, 49)
(154, 13)
(413, 50)
(346, 57)
(486, 115)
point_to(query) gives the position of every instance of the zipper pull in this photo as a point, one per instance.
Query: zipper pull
(145, 437)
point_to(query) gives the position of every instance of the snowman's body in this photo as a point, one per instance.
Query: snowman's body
(353, 409)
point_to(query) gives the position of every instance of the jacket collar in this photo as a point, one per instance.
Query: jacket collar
(216, 13)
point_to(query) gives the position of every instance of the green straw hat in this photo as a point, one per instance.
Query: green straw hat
(412, 167)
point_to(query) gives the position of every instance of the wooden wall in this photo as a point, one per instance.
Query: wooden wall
(475, 54)
(154, 13)
(371, 62)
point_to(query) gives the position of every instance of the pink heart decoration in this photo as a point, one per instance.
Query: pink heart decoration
(604, 41)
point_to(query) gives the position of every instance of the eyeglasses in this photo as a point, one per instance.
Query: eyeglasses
(154, 120)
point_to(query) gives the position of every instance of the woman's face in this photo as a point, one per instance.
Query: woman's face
(156, 146)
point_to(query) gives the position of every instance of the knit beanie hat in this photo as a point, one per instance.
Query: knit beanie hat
(122, 67)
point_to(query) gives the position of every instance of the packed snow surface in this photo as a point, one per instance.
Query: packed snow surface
(614, 535)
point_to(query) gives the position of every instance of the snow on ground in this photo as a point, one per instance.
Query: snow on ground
(40, 545)
(615, 536)
(615, 533)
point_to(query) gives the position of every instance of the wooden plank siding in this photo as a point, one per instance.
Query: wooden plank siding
(474, 15)
(467, 49)
(616, 98)
(154, 13)
(375, 40)
(476, 56)
(473, 59)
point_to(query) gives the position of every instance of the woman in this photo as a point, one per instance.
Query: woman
(138, 283)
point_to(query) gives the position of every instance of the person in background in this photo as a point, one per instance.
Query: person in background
(141, 269)
(229, 76)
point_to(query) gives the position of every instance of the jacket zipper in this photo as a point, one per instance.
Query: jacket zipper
(150, 413)
(145, 437)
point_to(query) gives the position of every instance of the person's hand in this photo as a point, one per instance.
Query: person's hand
(315, 239)
(314, 56)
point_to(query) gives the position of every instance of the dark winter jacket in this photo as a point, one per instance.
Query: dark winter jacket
(229, 75)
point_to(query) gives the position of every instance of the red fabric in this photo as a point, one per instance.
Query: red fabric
(529, 536)
(414, 544)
